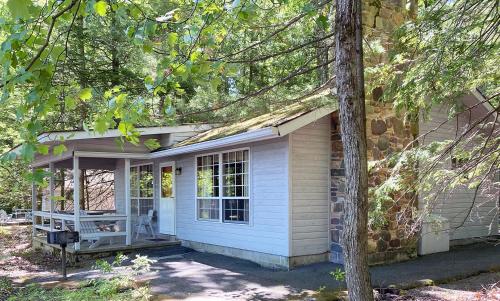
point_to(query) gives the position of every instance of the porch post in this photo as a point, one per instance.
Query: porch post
(33, 204)
(76, 196)
(51, 194)
(128, 208)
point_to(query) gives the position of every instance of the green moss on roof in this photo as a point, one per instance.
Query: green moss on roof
(274, 118)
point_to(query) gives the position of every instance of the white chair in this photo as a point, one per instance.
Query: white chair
(91, 230)
(145, 221)
(4, 217)
(28, 216)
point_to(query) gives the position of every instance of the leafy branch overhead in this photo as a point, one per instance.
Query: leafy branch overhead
(85, 64)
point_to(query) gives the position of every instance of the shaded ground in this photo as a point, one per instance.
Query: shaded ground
(183, 274)
(202, 276)
(484, 287)
(17, 259)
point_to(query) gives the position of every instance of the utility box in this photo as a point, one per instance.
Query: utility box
(62, 237)
(434, 236)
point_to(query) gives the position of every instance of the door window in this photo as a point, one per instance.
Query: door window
(167, 190)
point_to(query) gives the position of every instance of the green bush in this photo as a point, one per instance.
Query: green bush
(98, 290)
(6, 288)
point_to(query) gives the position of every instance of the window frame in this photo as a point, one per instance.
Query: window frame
(221, 198)
(138, 198)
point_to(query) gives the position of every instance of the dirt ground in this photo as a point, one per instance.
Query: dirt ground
(484, 287)
(18, 261)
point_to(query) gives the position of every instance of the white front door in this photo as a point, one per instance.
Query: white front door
(166, 212)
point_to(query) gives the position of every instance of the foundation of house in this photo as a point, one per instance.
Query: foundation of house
(264, 259)
(102, 251)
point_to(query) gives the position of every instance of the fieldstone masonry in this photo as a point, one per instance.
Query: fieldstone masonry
(386, 133)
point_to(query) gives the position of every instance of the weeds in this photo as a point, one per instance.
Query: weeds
(117, 283)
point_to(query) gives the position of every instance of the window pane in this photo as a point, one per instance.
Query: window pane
(141, 189)
(235, 174)
(146, 181)
(236, 210)
(208, 209)
(166, 182)
(145, 205)
(134, 182)
(135, 209)
(207, 176)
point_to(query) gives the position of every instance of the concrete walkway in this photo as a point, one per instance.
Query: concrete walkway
(201, 276)
(183, 274)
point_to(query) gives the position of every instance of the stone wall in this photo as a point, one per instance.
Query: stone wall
(386, 134)
(337, 191)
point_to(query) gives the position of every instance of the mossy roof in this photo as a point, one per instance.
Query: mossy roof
(274, 118)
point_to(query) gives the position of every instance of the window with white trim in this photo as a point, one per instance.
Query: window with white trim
(222, 187)
(141, 189)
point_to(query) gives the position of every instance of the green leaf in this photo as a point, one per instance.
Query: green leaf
(101, 125)
(57, 51)
(123, 127)
(85, 94)
(58, 198)
(172, 39)
(28, 151)
(70, 103)
(309, 8)
(147, 46)
(19, 8)
(214, 83)
(152, 144)
(322, 21)
(42, 149)
(100, 8)
(59, 149)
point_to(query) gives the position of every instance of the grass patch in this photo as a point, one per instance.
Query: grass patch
(118, 288)
(324, 294)
(117, 282)
(6, 288)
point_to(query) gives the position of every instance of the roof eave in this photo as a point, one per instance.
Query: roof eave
(293, 125)
(246, 137)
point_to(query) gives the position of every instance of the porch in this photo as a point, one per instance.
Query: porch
(113, 211)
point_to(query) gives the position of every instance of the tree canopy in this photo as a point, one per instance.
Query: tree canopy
(86, 64)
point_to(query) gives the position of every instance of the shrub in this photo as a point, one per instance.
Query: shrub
(119, 285)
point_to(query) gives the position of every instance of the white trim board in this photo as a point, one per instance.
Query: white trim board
(250, 136)
(79, 135)
(247, 137)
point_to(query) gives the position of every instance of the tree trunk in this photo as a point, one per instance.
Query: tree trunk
(350, 89)
(82, 67)
(115, 60)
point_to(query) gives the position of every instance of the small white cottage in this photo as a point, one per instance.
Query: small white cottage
(268, 189)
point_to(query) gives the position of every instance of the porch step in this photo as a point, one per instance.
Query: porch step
(143, 245)
(163, 253)
(160, 248)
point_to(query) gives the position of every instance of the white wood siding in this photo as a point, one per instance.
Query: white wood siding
(267, 231)
(483, 219)
(310, 188)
